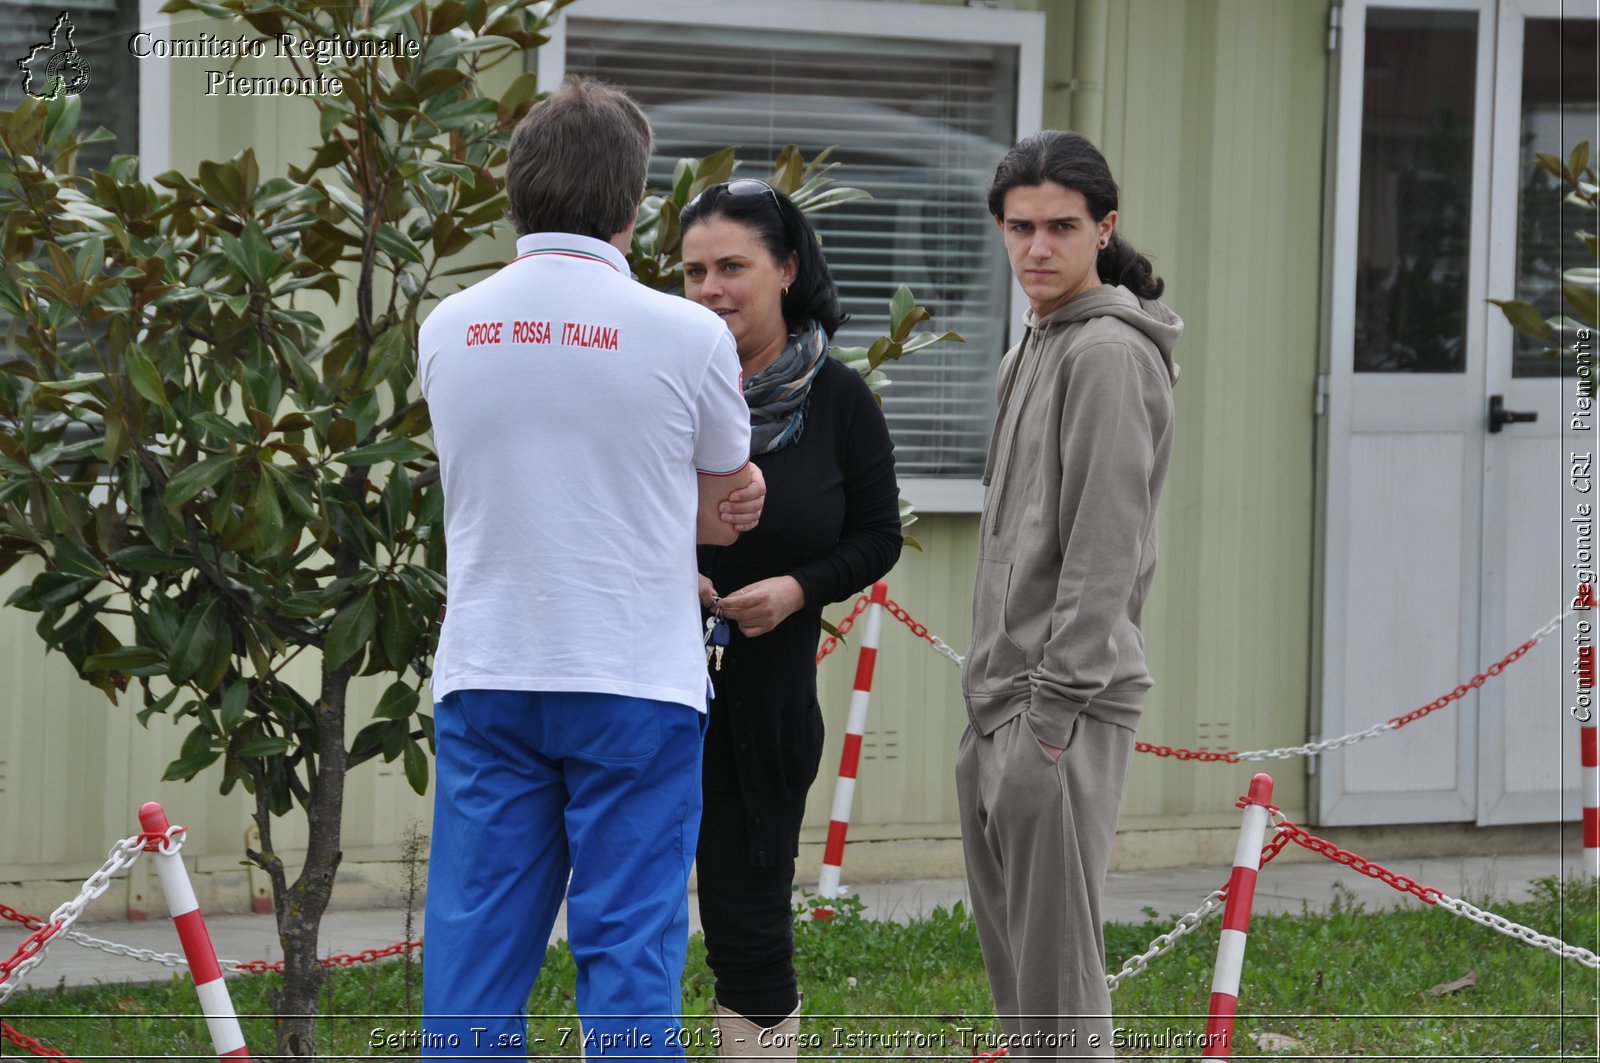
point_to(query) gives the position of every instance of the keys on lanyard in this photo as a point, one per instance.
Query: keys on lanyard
(717, 634)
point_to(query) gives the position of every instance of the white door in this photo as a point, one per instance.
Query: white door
(1544, 102)
(1442, 545)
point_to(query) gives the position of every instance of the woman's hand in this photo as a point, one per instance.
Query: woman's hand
(760, 607)
(707, 593)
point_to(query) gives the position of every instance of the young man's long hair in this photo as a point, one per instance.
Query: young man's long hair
(1071, 161)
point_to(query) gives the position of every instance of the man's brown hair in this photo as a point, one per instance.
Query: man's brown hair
(577, 162)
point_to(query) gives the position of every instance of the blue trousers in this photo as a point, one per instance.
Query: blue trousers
(532, 786)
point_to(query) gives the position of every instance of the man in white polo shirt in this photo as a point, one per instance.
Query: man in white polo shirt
(588, 430)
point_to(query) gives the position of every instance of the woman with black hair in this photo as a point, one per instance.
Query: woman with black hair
(831, 526)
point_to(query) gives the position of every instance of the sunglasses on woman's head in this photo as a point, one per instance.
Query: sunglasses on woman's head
(745, 186)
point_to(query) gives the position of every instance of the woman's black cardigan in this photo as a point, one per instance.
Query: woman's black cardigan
(832, 521)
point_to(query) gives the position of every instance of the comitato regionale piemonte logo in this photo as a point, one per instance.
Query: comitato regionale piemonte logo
(55, 67)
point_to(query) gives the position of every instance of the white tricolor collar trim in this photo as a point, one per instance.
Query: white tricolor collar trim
(571, 245)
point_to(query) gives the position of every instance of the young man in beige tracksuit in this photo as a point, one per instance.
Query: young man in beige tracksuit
(1056, 677)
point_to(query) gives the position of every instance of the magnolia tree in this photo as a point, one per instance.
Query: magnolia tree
(1572, 330)
(215, 481)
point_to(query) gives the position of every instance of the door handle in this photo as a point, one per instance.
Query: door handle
(1499, 416)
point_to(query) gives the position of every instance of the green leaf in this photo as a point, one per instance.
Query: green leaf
(133, 660)
(1524, 318)
(788, 171)
(199, 750)
(388, 450)
(1578, 161)
(901, 304)
(1584, 299)
(1555, 164)
(61, 118)
(416, 767)
(269, 517)
(713, 169)
(396, 243)
(831, 197)
(391, 349)
(446, 16)
(197, 640)
(196, 478)
(149, 560)
(75, 560)
(294, 489)
(927, 339)
(234, 703)
(396, 736)
(146, 378)
(397, 703)
(164, 620)
(396, 501)
(384, 10)
(682, 178)
(264, 746)
(350, 630)
(223, 184)
(91, 257)
(52, 590)
(878, 351)
(399, 629)
(187, 767)
(78, 382)
(265, 261)
(160, 704)
(369, 740)
(519, 92)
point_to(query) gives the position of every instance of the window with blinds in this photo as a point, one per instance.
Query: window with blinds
(101, 29)
(919, 124)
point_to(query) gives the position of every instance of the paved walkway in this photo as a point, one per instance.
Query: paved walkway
(1131, 895)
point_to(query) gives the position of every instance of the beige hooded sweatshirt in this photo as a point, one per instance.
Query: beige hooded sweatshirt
(1067, 546)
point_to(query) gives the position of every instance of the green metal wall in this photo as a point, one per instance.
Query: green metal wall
(1211, 113)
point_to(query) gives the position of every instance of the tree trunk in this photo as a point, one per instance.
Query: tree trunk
(300, 912)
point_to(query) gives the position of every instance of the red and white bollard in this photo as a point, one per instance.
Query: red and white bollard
(1236, 921)
(844, 790)
(1591, 797)
(223, 1022)
(1589, 744)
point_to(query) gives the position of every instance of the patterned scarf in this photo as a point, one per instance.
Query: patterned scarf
(778, 395)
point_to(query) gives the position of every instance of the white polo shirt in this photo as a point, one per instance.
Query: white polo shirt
(572, 409)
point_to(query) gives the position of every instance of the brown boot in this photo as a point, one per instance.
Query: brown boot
(739, 1038)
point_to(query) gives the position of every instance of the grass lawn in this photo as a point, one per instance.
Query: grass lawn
(1325, 985)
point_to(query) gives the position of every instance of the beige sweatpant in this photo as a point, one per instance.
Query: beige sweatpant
(1037, 836)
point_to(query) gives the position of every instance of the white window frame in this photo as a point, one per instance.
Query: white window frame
(1023, 30)
(155, 98)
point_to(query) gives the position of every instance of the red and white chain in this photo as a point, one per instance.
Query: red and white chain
(1430, 894)
(1461, 691)
(831, 642)
(174, 959)
(1306, 749)
(123, 855)
(10, 1033)
(1526, 935)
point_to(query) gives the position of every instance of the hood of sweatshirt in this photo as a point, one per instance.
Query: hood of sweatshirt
(1150, 316)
